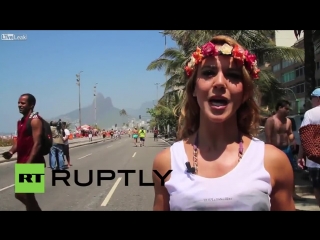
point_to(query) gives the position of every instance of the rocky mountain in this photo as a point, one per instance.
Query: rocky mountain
(134, 113)
(107, 114)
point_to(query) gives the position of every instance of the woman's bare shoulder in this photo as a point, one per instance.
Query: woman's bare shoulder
(162, 161)
(281, 173)
(275, 156)
(277, 163)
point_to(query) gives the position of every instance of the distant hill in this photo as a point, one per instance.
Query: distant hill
(134, 113)
(107, 114)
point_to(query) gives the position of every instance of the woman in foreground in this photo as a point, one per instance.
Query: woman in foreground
(218, 165)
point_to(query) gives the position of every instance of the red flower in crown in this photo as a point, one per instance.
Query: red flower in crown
(188, 70)
(209, 49)
(238, 53)
(197, 55)
(255, 75)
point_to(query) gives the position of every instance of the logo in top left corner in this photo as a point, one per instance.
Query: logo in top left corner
(13, 37)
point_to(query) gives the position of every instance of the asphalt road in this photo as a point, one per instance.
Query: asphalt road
(111, 195)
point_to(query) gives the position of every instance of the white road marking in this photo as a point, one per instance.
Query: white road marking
(109, 146)
(85, 156)
(2, 189)
(134, 154)
(108, 197)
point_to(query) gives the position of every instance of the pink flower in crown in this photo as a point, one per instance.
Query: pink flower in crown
(209, 49)
(255, 73)
(251, 64)
(251, 58)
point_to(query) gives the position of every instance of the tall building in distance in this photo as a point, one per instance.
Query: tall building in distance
(291, 74)
(284, 38)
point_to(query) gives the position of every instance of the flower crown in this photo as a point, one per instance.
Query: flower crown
(209, 49)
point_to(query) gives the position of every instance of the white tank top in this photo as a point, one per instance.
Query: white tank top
(245, 188)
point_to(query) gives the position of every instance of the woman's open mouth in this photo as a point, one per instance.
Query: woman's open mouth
(218, 103)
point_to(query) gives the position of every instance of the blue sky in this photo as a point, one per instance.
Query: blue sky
(46, 64)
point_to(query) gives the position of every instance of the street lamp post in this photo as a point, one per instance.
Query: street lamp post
(295, 97)
(157, 84)
(79, 83)
(95, 103)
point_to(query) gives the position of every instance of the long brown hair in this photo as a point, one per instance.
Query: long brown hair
(248, 116)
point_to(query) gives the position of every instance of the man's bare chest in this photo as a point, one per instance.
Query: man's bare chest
(281, 128)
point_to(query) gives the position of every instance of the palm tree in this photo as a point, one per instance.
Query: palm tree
(311, 42)
(123, 113)
(257, 41)
(163, 115)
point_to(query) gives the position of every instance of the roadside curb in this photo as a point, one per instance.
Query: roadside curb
(168, 141)
(80, 145)
(304, 189)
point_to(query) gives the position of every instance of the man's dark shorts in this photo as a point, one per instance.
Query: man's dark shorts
(66, 150)
(288, 151)
(142, 139)
(314, 175)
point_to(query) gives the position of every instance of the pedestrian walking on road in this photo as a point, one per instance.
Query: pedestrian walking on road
(142, 136)
(217, 163)
(66, 148)
(278, 132)
(310, 139)
(155, 134)
(90, 135)
(56, 156)
(28, 144)
(111, 133)
(135, 136)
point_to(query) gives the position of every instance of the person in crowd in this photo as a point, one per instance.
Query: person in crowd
(28, 144)
(217, 164)
(312, 117)
(66, 148)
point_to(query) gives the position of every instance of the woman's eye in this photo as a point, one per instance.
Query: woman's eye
(208, 73)
(234, 75)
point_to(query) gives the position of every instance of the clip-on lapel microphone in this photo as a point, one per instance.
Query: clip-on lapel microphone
(189, 168)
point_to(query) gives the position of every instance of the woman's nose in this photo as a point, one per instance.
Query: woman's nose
(219, 81)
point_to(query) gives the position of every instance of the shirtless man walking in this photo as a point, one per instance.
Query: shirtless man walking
(278, 130)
